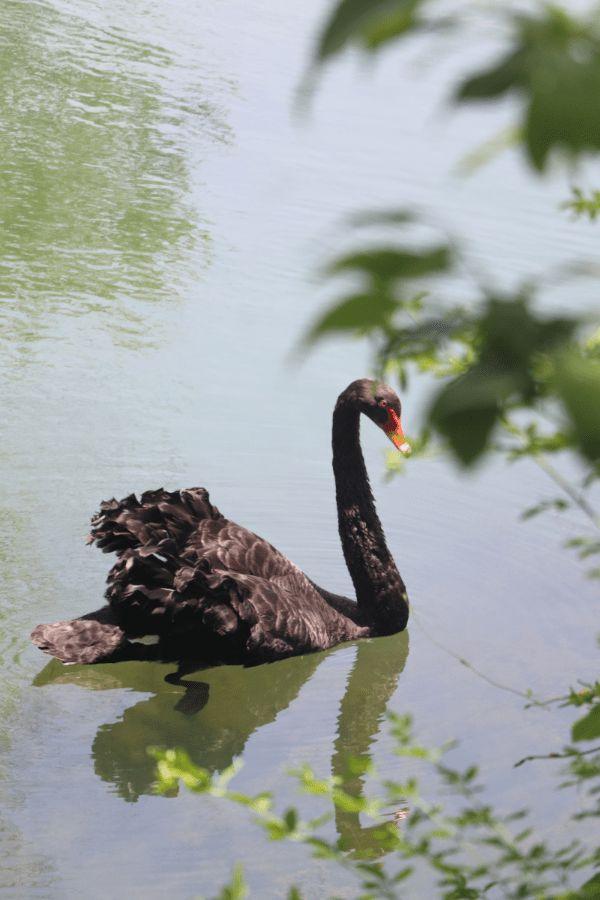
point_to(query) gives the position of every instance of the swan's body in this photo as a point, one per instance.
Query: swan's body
(211, 589)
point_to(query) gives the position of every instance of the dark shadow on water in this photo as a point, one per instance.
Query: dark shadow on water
(210, 714)
(213, 712)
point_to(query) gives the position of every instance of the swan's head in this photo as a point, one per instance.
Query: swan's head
(382, 405)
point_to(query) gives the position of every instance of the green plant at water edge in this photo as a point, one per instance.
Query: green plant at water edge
(470, 850)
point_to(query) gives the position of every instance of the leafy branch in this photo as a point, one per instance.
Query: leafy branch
(470, 851)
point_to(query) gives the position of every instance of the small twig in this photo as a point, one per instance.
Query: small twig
(568, 489)
(541, 460)
(567, 755)
(533, 701)
(549, 701)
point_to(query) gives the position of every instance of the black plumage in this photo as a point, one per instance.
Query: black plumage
(212, 590)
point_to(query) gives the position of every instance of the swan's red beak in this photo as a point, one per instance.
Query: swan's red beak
(393, 429)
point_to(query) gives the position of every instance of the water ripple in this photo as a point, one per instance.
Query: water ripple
(94, 178)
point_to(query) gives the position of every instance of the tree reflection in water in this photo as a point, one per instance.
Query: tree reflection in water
(94, 181)
(213, 714)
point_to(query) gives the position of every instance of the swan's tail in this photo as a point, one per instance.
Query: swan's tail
(149, 536)
(89, 639)
(159, 522)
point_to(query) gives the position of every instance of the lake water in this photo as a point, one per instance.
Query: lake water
(165, 214)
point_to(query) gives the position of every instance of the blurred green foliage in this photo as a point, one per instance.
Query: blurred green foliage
(552, 65)
(512, 376)
(496, 354)
(582, 205)
(368, 23)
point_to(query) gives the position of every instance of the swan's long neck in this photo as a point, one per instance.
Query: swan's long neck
(380, 591)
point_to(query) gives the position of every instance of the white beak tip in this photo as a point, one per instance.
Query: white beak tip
(405, 448)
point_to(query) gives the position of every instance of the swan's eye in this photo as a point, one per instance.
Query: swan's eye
(382, 403)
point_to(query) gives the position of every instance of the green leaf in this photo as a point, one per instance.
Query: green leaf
(508, 74)
(588, 728)
(466, 410)
(553, 66)
(402, 875)
(290, 817)
(565, 113)
(237, 888)
(367, 22)
(511, 335)
(580, 205)
(578, 385)
(358, 765)
(174, 766)
(347, 803)
(480, 156)
(374, 309)
(590, 890)
(360, 313)
(509, 339)
(557, 503)
(387, 264)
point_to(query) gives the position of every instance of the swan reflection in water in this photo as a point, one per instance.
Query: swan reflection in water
(213, 714)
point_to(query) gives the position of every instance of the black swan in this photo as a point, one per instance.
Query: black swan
(212, 590)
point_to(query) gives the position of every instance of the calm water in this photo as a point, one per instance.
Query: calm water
(164, 216)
